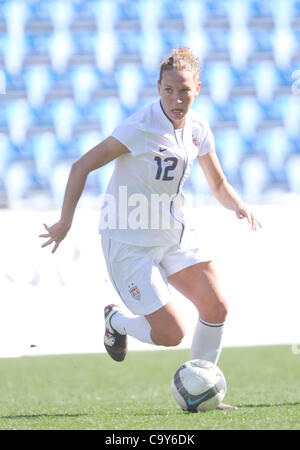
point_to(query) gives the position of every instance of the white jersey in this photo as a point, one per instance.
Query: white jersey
(143, 204)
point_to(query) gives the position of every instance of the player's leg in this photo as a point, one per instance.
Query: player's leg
(143, 287)
(199, 284)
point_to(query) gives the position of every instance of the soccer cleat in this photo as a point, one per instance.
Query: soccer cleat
(224, 406)
(114, 342)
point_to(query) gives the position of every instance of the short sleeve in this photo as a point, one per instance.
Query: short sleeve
(132, 137)
(207, 143)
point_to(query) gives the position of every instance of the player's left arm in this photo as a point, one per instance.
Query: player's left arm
(222, 190)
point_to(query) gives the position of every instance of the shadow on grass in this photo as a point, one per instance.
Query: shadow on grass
(36, 416)
(268, 405)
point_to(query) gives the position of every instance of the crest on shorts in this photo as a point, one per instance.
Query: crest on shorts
(134, 291)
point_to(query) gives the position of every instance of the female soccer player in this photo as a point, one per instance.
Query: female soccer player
(143, 234)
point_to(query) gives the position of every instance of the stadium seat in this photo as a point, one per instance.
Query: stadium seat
(107, 113)
(255, 176)
(106, 13)
(65, 116)
(46, 152)
(240, 46)
(19, 117)
(289, 110)
(237, 12)
(85, 141)
(60, 48)
(58, 180)
(151, 49)
(230, 148)
(292, 170)
(220, 81)
(14, 51)
(150, 14)
(196, 183)
(106, 49)
(38, 81)
(129, 75)
(284, 46)
(205, 105)
(197, 40)
(61, 12)
(5, 153)
(17, 180)
(194, 14)
(266, 79)
(273, 142)
(283, 11)
(247, 114)
(84, 80)
(16, 15)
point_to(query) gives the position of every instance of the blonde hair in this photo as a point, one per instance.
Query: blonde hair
(181, 59)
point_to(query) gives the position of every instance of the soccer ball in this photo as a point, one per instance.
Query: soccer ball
(198, 385)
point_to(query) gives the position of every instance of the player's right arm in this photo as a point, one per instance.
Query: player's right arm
(97, 157)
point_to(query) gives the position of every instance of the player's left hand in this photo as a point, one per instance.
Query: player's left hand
(243, 211)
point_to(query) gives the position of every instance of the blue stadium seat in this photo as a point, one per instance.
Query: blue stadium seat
(19, 117)
(220, 80)
(46, 152)
(197, 40)
(60, 49)
(205, 105)
(247, 114)
(194, 14)
(107, 113)
(38, 81)
(151, 49)
(129, 75)
(65, 116)
(274, 144)
(16, 14)
(17, 181)
(14, 52)
(284, 44)
(288, 107)
(266, 79)
(196, 183)
(240, 46)
(283, 11)
(58, 180)
(85, 141)
(106, 49)
(237, 12)
(255, 176)
(84, 79)
(150, 14)
(106, 13)
(231, 148)
(61, 12)
(292, 170)
(6, 152)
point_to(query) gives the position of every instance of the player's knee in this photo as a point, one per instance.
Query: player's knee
(170, 338)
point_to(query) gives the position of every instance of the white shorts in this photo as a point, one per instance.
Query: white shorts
(139, 274)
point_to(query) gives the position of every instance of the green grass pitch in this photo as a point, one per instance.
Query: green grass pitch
(92, 392)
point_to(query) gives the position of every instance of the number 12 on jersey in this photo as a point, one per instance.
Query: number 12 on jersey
(163, 169)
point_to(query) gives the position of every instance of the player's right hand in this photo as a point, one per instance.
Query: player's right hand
(56, 233)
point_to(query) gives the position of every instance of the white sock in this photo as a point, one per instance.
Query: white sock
(135, 326)
(207, 341)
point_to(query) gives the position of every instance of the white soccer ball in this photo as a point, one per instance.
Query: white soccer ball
(198, 385)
